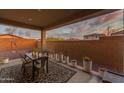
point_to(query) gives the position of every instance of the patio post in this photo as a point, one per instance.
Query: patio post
(43, 39)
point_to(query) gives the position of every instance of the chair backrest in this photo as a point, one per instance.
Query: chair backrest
(26, 59)
(46, 53)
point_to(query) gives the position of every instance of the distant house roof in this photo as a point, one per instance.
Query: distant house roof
(118, 33)
(94, 34)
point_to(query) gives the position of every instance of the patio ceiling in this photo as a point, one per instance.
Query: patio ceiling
(47, 18)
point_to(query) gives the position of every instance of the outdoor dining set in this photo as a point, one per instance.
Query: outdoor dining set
(37, 62)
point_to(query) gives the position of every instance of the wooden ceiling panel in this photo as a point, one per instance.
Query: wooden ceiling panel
(45, 18)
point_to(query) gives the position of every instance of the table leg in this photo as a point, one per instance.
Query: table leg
(47, 66)
(33, 71)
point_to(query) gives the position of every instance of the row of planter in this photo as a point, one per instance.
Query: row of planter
(59, 57)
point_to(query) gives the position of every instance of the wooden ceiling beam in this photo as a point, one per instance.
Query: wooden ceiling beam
(19, 24)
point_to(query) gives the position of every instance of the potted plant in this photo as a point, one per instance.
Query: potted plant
(87, 63)
(34, 52)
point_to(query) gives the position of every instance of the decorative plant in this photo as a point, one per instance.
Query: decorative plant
(36, 51)
(87, 59)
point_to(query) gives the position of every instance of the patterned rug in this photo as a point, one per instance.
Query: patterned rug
(56, 74)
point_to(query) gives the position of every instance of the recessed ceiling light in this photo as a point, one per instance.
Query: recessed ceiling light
(30, 19)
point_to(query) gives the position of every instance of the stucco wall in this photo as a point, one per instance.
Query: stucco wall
(5, 44)
(107, 52)
(22, 45)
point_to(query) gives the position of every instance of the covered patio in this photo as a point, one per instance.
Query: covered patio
(93, 59)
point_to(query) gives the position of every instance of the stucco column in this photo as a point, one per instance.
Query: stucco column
(43, 39)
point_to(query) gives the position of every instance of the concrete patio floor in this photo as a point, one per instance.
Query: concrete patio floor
(81, 76)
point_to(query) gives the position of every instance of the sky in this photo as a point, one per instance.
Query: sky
(95, 25)
(22, 32)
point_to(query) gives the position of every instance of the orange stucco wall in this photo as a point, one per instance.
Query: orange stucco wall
(5, 44)
(108, 51)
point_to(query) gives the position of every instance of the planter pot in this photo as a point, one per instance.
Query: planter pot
(61, 57)
(4, 60)
(64, 59)
(74, 63)
(52, 56)
(87, 65)
(67, 59)
(55, 56)
(58, 57)
(101, 71)
(40, 54)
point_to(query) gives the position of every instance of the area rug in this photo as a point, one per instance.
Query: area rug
(56, 74)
